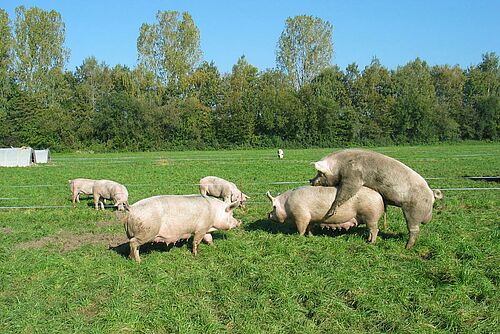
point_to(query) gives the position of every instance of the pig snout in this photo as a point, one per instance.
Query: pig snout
(315, 181)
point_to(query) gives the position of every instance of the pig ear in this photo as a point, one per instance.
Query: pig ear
(269, 196)
(232, 206)
(321, 166)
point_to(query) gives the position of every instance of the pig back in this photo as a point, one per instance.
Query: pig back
(309, 201)
(316, 200)
(85, 186)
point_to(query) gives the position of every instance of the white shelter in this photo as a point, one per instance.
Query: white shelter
(42, 156)
(16, 157)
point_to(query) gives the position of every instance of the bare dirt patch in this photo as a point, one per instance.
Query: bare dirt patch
(6, 230)
(68, 241)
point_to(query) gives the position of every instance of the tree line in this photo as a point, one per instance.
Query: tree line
(174, 99)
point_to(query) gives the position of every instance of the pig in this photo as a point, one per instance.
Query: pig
(398, 184)
(280, 153)
(218, 187)
(307, 206)
(107, 189)
(170, 218)
(80, 186)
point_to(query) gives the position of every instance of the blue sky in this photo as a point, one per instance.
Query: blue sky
(396, 32)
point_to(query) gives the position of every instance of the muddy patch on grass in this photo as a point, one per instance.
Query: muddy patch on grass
(68, 241)
(6, 230)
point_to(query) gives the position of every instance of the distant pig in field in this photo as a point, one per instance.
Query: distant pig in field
(306, 206)
(218, 187)
(280, 154)
(106, 189)
(398, 184)
(170, 218)
(80, 186)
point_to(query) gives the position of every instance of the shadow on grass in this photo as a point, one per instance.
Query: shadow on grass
(289, 228)
(124, 248)
(271, 227)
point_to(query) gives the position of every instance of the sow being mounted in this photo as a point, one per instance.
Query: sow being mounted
(398, 184)
(306, 206)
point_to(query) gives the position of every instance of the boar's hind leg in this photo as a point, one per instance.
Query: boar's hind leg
(134, 250)
(413, 225)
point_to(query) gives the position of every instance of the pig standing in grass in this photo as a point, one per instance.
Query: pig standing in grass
(170, 218)
(306, 206)
(80, 186)
(217, 187)
(398, 184)
(106, 189)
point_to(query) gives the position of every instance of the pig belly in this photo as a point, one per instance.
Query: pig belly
(169, 233)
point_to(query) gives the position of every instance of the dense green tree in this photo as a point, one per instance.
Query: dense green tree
(39, 52)
(206, 85)
(6, 42)
(449, 86)
(235, 118)
(119, 122)
(170, 48)
(373, 98)
(482, 91)
(414, 109)
(304, 48)
(5, 75)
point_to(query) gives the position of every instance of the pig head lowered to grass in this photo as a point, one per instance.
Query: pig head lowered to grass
(398, 184)
(218, 187)
(169, 218)
(106, 189)
(308, 205)
(80, 186)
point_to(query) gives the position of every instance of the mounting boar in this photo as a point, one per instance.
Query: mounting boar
(398, 184)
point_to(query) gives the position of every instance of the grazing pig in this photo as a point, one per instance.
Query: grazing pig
(80, 186)
(308, 205)
(106, 189)
(218, 187)
(280, 153)
(170, 218)
(398, 184)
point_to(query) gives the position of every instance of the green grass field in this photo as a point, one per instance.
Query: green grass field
(65, 270)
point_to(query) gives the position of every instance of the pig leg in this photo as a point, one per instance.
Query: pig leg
(346, 190)
(413, 225)
(373, 228)
(96, 201)
(134, 250)
(196, 241)
(101, 201)
(208, 239)
(302, 226)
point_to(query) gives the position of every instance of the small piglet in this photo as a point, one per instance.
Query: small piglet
(80, 186)
(218, 187)
(106, 189)
(306, 206)
(170, 218)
